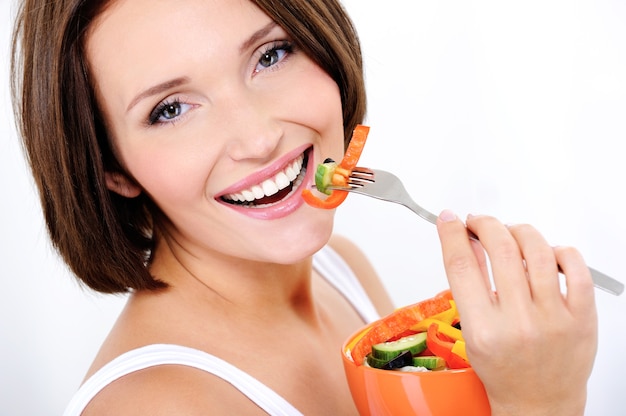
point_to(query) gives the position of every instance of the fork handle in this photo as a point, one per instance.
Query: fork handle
(600, 280)
(427, 215)
(606, 283)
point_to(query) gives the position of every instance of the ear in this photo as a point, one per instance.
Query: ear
(121, 184)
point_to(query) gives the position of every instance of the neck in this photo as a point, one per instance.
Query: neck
(236, 286)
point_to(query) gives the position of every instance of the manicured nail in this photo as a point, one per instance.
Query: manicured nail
(447, 215)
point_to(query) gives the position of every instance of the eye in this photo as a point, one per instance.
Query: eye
(272, 54)
(168, 112)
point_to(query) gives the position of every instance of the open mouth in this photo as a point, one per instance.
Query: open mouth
(272, 190)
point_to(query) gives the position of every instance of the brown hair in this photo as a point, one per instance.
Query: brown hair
(107, 239)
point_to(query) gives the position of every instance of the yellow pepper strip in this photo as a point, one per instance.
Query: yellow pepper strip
(444, 328)
(444, 319)
(459, 349)
(448, 316)
(357, 338)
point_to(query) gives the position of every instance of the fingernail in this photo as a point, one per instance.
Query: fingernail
(447, 215)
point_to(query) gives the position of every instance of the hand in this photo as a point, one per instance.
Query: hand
(531, 344)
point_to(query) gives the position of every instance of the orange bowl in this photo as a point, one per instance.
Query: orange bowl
(435, 393)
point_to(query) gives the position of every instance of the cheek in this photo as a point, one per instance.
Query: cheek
(168, 174)
(322, 100)
(317, 103)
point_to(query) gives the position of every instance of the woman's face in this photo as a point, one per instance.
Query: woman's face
(208, 102)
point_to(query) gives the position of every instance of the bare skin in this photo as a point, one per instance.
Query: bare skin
(306, 334)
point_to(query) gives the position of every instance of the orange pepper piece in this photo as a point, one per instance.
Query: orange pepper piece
(349, 161)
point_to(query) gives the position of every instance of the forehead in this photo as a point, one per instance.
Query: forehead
(134, 40)
(145, 13)
(158, 24)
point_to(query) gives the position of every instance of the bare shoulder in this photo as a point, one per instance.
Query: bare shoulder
(364, 270)
(170, 390)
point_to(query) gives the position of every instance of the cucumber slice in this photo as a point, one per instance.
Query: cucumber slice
(375, 362)
(404, 359)
(324, 175)
(430, 362)
(389, 350)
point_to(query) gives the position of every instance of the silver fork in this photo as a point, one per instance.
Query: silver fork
(386, 186)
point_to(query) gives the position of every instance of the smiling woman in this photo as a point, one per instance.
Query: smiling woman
(235, 107)
(98, 214)
(179, 157)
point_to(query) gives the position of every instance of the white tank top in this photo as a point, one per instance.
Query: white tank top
(327, 263)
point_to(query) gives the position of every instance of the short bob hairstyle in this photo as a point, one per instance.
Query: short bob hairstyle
(106, 239)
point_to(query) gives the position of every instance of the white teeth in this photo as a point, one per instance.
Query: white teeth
(282, 180)
(246, 196)
(270, 186)
(257, 191)
(291, 173)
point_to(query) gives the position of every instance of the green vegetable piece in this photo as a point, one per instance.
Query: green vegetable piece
(324, 175)
(375, 362)
(389, 350)
(429, 362)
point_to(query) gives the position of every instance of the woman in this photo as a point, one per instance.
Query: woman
(170, 144)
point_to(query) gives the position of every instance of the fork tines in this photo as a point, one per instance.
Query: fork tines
(360, 177)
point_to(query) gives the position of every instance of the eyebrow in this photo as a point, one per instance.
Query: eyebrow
(164, 86)
(259, 34)
(157, 89)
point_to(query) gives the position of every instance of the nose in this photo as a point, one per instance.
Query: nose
(252, 130)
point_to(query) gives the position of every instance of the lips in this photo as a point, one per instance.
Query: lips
(272, 190)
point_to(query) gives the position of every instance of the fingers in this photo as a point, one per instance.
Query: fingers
(580, 289)
(479, 252)
(540, 261)
(465, 265)
(523, 264)
(506, 258)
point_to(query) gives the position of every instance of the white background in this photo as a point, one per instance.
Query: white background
(509, 108)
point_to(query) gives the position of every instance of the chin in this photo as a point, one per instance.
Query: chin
(297, 243)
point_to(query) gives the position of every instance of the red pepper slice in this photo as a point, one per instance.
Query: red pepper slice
(443, 348)
(332, 201)
(397, 322)
(349, 161)
(406, 333)
(355, 148)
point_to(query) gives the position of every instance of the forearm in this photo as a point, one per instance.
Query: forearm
(558, 407)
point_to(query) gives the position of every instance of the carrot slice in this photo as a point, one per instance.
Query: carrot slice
(349, 161)
(340, 180)
(396, 323)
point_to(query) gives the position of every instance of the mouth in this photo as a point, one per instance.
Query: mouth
(273, 190)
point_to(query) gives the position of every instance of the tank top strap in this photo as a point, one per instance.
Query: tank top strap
(333, 268)
(160, 354)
